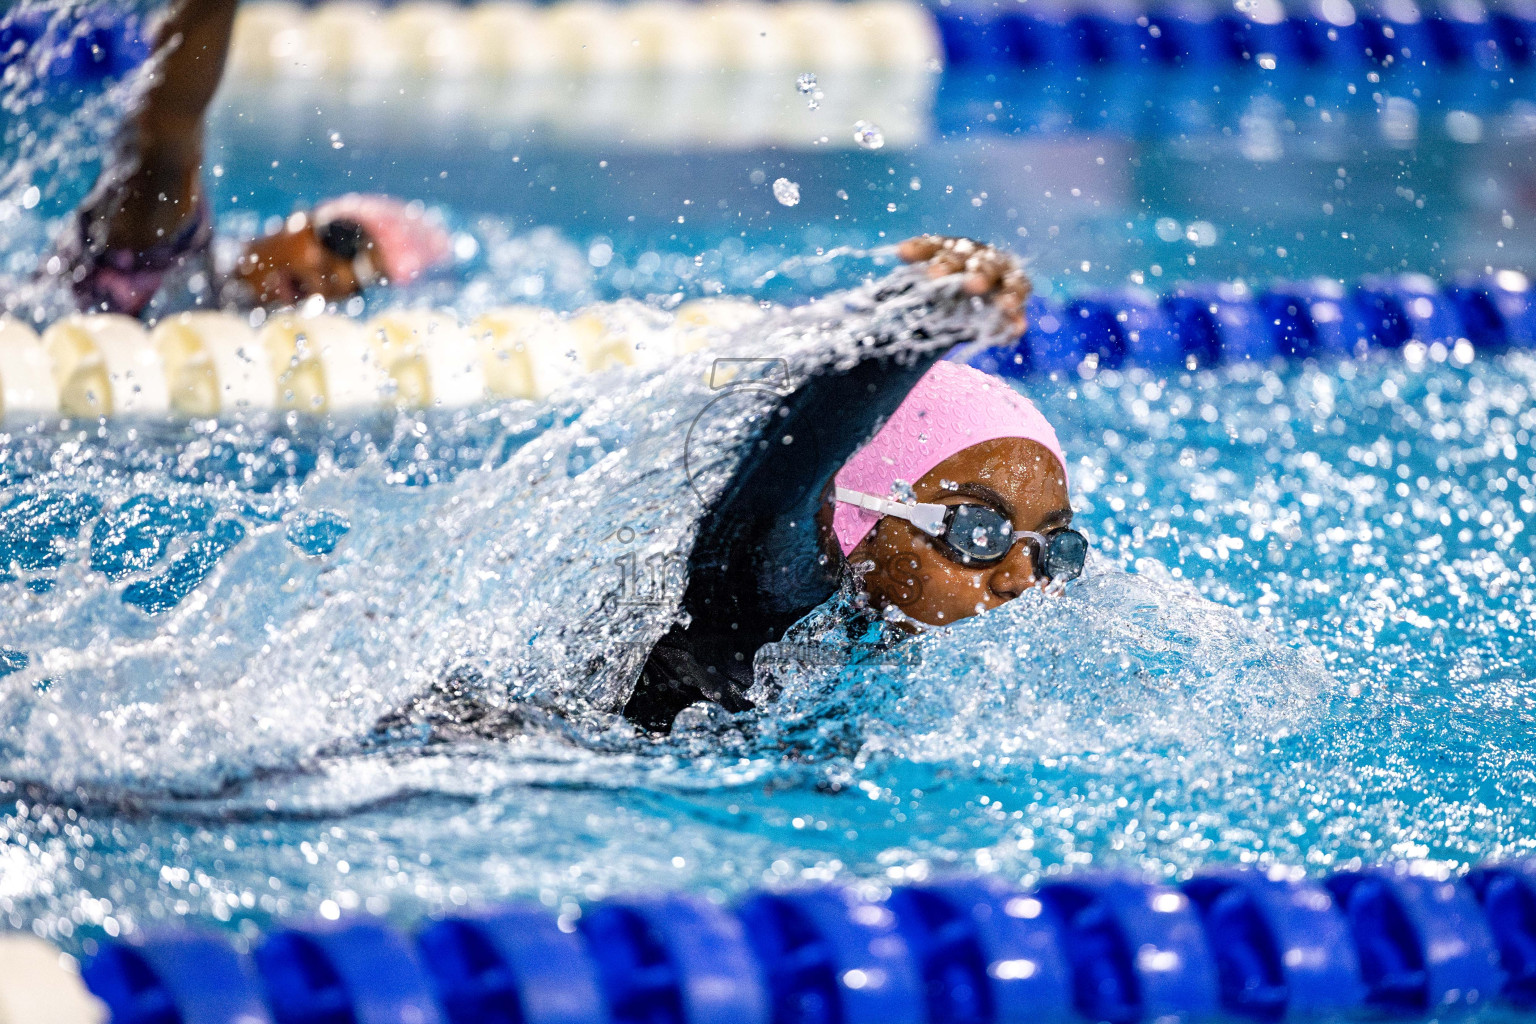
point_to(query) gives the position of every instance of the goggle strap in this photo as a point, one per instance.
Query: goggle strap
(928, 518)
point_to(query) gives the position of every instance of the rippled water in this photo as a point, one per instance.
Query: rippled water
(1305, 636)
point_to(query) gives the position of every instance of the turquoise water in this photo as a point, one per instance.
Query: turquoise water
(1305, 635)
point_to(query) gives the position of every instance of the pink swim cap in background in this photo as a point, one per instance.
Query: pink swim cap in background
(405, 242)
(949, 409)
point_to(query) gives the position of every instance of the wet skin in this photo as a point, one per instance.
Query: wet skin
(988, 271)
(914, 572)
(287, 267)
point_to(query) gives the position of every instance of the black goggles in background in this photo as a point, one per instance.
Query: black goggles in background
(346, 238)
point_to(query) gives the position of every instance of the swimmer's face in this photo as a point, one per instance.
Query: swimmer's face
(287, 267)
(1018, 478)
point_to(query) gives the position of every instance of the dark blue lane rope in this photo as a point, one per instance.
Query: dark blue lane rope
(1009, 35)
(1401, 940)
(1208, 324)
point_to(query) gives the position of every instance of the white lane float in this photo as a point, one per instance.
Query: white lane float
(590, 37)
(40, 985)
(898, 35)
(511, 39)
(352, 38)
(27, 387)
(324, 364)
(527, 352)
(214, 364)
(430, 358)
(432, 38)
(703, 323)
(439, 39)
(748, 36)
(104, 365)
(209, 364)
(666, 34)
(274, 39)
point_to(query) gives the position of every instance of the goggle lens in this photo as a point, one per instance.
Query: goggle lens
(981, 535)
(1065, 555)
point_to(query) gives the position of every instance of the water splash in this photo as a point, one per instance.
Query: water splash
(348, 594)
(868, 135)
(1286, 647)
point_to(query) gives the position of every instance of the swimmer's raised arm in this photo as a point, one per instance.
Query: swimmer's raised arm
(163, 193)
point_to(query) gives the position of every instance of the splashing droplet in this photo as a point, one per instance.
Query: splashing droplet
(786, 192)
(868, 135)
(806, 83)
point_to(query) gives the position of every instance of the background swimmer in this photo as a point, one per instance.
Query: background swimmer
(146, 229)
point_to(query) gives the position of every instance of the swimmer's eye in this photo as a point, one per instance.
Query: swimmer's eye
(973, 534)
(344, 238)
(348, 240)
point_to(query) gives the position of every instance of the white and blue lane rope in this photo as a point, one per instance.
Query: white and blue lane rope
(199, 365)
(436, 38)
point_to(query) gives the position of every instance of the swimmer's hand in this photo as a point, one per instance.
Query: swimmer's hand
(989, 271)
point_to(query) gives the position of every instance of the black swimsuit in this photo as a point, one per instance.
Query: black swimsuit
(756, 567)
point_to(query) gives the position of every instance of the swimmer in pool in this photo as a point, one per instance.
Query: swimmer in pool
(141, 241)
(960, 516)
(931, 490)
(940, 493)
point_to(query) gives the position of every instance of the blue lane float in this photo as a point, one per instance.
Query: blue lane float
(1202, 325)
(1399, 941)
(997, 35)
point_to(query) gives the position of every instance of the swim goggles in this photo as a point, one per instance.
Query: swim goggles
(975, 534)
(346, 238)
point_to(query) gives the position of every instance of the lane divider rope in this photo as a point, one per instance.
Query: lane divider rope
(441, 39)
(1401, 940)
(199, 365)
(1326, 33)
(205, 364)
(430, 39)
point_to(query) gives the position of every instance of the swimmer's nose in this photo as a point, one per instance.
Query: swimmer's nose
(1014, 574)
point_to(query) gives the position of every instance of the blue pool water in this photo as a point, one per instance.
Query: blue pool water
(1305, 635)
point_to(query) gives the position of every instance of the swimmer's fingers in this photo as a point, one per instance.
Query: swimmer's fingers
(1011, 305)
(1012, 293)
(986, 270)
(921, 248)
(997, 274)
(955, 255)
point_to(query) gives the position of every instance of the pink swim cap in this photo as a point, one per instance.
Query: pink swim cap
(405, 242)
(951, 408)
